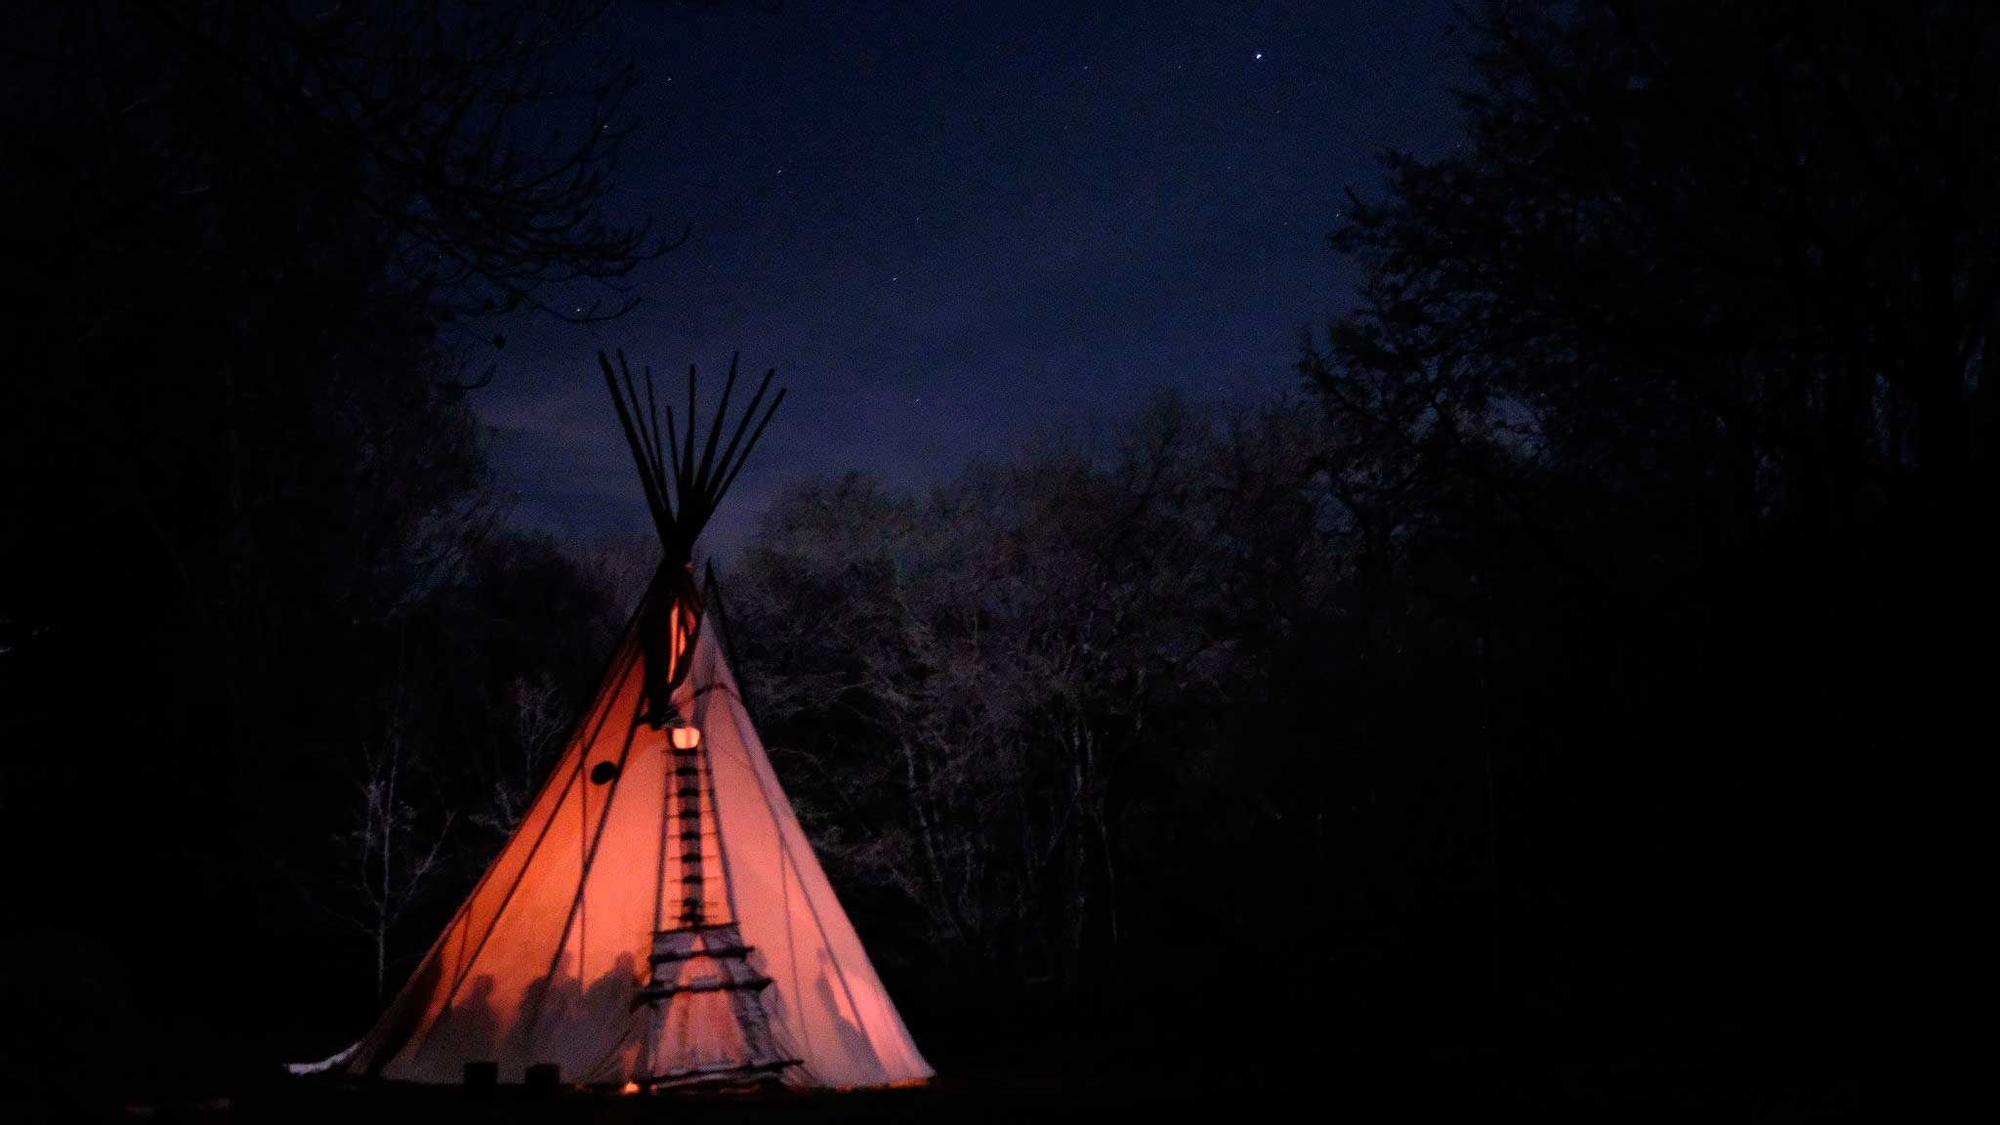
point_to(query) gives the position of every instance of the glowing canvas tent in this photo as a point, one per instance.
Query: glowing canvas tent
(658, 918)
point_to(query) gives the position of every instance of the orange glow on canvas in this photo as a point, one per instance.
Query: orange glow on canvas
(622, 930)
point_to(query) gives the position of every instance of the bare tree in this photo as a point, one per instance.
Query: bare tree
(482, 135)
(541, 715)
(972, 689)
(392, 854)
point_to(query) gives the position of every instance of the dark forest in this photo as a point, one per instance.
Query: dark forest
(1523, 688)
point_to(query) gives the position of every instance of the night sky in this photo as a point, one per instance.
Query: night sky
(951, 232)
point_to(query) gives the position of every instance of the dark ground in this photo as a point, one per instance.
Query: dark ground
(1061, 1079)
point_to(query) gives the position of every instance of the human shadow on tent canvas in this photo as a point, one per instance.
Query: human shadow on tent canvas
(545, 999)
(471, 1025)
(609, 1003)
(612, 996)
(560, 1000)
(851, 1038)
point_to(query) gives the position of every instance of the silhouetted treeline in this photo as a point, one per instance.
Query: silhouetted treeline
(1544, 670)
(1049, 722)
(268, 668)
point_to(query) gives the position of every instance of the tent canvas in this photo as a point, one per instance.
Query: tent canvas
(658, 918)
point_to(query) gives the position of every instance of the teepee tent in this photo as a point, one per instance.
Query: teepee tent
(658, 919)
